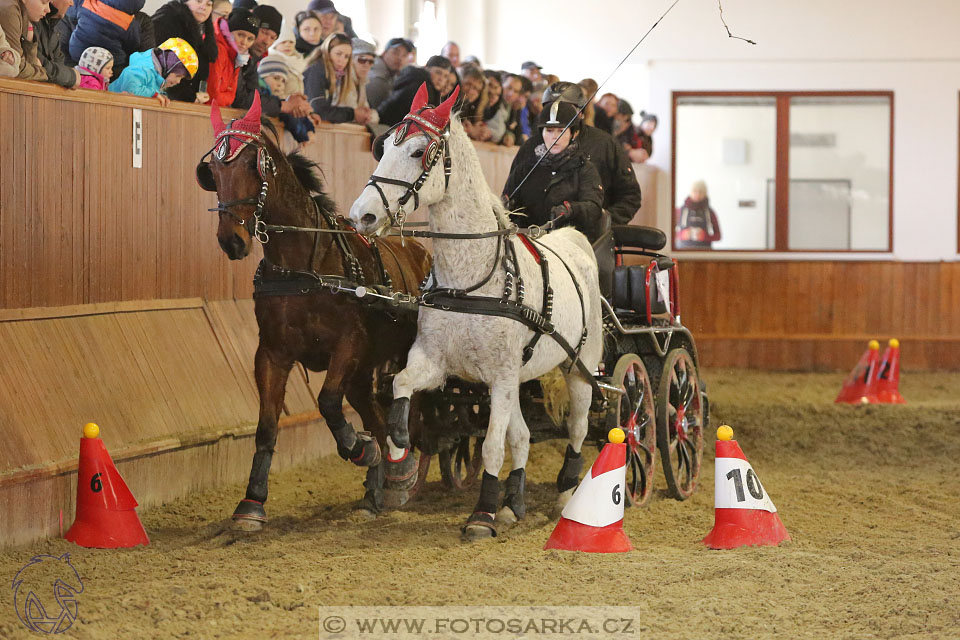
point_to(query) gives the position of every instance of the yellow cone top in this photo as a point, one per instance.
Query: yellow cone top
(725, 432)
(873, 345)
(91, 430)
(616, 435)
(894, 343)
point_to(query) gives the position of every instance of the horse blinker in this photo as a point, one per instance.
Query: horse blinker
(205, 177)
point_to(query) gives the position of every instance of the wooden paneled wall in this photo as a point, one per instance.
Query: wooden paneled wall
(80, 225)
(118, 306)
(820, 315)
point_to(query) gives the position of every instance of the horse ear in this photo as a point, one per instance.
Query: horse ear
(420, 100)
(215, 118)
(253, 115)
(443, 111)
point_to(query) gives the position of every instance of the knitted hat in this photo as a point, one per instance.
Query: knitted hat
(185, 54)
(94, 59)
(361, 47)
(245, 4)
(243, 20)
(273, 64)
(644, 116)
(269, 17)
(321, 6)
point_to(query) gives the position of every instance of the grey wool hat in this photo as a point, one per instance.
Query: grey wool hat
(362, 46)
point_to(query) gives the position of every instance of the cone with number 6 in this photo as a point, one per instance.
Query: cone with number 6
(593, 519)
(745, 514)
(106, 509)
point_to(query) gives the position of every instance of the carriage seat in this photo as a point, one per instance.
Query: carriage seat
(604, 248)
(639, 237)
(629, 290)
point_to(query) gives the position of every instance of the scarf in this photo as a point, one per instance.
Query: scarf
(554, 160)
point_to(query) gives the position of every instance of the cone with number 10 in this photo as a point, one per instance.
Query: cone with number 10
(745, 514)
(593, 519)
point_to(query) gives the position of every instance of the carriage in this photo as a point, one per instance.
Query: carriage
(617, 353)
(649, 375)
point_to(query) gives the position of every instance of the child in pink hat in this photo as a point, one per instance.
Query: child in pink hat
(96, 68)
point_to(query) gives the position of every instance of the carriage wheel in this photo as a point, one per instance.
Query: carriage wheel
(634, 412)
(680, 423)
(460, 464)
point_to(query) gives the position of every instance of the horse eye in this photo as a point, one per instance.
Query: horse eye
(417, 154)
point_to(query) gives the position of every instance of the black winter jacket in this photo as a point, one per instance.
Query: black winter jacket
(405, 87)
(249, 81)
(50, 53)
(174, 20)
(574, 180)
(621, 191)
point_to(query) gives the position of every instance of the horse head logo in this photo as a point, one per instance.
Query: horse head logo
(45, 594)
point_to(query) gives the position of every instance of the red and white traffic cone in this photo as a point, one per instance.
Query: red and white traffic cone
(886, 387)
(593, 519)
(859, 385)
(106, 509)
(744, 514)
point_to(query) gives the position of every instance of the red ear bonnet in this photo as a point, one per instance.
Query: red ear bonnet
(437, 117)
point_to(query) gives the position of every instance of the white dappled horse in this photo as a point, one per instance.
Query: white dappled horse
(484, 348)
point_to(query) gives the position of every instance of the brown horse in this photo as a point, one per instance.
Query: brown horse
(302, 317)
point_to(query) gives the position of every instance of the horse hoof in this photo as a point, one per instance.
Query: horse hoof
(245, 524)
(395, 498)
(249, 515)
(362, 514)
(563, 498)
(401, 474)
(506, 516)
(480, 526)
(475, 533)
(370, 454)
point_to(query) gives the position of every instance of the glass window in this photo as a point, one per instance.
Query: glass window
(781, 171)
(725, 166)
(839, 173)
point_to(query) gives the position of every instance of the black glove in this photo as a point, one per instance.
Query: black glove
(561, 211)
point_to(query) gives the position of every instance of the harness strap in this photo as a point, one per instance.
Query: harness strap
(576, 285)
(487, 306)
(547, 308)
(413, 233)
(459, 292)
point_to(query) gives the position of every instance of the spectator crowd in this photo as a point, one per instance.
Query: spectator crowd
(311, 70)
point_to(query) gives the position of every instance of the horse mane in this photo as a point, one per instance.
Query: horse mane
(307, 171)
(464, 156)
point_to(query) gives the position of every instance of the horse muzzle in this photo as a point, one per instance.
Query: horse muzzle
(234, 247)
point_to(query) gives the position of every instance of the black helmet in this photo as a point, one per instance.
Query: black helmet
(558, 114)
(565, 92)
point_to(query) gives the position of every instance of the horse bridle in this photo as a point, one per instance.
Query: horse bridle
(266, 166)
(437, 148)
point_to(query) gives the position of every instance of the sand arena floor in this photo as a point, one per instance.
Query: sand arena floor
(869, 495)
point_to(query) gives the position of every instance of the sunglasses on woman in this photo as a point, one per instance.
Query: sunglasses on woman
(364, 60)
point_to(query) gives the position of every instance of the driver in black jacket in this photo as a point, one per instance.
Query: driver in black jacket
(621, 191)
